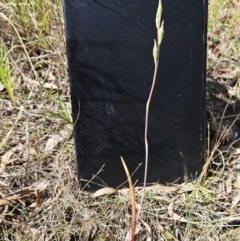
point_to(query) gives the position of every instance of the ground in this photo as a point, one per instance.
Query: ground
(39, 197)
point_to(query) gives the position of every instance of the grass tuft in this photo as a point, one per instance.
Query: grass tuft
(6, 73)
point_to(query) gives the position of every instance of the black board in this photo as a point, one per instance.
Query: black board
(109, 46)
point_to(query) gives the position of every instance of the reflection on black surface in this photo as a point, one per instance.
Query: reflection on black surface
(111, 68)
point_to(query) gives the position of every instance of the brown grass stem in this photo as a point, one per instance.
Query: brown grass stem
(132, 200)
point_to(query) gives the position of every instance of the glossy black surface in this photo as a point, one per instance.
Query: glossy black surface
(109, 45)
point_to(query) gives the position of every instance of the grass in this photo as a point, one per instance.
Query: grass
(224, 29)
(38, 18)
(6, 72)
(38, 169)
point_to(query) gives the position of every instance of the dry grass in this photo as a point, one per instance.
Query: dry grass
(39, 198)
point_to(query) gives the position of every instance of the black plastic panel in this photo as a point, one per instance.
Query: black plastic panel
(109, 45)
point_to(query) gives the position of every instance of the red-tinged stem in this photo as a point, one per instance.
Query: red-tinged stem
(132, 200)
(145, 135)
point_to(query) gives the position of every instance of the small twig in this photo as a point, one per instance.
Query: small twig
(148, 229)
(20, 39)
(130, 176)
(208, 140)
(4, 141)
(91, 180)
(38, 57)
(25, 166)
(132, 200)
(4, 213)
(220, 124)
(223, 162)
(203, 174)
